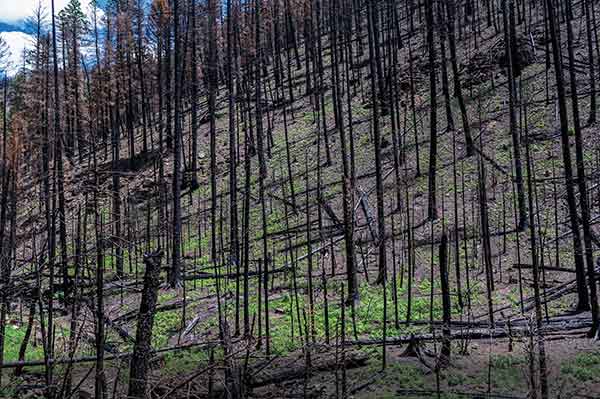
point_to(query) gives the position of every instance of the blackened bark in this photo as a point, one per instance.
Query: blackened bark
(456, 78)
(142, 350)
(376, 85)
(516, 142)
(581, 180)
(194, 99)
(433, 139)
(175, 273)
(446, 306)
(583, 297)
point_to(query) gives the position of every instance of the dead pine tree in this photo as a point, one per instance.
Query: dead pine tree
(543, 367)
(446, 306)
(5, 174)
(376, 94)
(583, 303)
(516, 144)
(175, 272)
(142, 350)
(433, 136)
(100, 378)
(581, 177)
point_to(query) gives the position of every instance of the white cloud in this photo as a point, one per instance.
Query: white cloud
(17, 42)
(12, 11)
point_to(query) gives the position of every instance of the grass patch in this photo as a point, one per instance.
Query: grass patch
(583, 367)
(165, 324)
(13, 338)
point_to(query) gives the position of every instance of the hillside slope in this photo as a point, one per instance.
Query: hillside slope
(346, 167)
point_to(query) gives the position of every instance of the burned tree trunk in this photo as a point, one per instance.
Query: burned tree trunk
(432, 204)
(446, 307)
(508, 37)
(142, 349)
(583, 296)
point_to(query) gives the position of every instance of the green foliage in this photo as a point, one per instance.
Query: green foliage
(369, 313)
(364, 140)
(164, 297)
(9, 391)
(584, 367)
(456, 378)
(508, 371)
(165, 324)
(13, 337)
(408, 376)
(73, 16)
(308, 117)
(182, 362)
(507, 361)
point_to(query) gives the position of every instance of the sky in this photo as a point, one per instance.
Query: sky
(12, 15)
(12, 27)
(17, 42)
(15, 11)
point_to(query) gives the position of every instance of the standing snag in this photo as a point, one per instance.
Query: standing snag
(142, 350)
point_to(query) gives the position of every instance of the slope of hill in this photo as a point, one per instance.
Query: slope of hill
(379, 205)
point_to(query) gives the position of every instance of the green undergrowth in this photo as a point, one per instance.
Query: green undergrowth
(183, 362)
(403, 378)
(13, 337)
(287, 333)
(166, 325)
(584, 367)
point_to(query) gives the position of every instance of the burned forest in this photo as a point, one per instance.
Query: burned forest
(300, 199)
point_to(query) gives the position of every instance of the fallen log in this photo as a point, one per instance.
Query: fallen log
(475, 395)
(191, 325)
(547, 268)
(132, 315)
(353, 360)
(209, 276)
(90, 359)
(548, 296)
(472, 334)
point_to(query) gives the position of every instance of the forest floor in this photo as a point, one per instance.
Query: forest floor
(488, 369)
